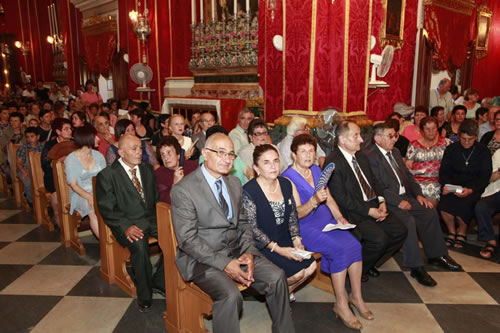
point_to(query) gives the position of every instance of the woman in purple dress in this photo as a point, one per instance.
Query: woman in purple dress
(340, 251)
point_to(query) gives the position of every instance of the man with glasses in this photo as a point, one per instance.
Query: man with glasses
(258, 134)
(405, 200)
(216, 246)
(207, 120)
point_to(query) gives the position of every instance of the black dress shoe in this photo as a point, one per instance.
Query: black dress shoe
(364, 278)
(144, 306)
(373, 272)
(423, 277)
(159, 290)
(446, 262)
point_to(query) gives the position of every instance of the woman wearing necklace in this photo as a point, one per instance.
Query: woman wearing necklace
(457, 117)
(271, 211)
(340, 250)
(424, 158)
(492, 139)
(466, 163)
(80, 166)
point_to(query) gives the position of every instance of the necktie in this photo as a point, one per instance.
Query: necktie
(137, 183)
(395, 166)
(222, 201)
(369, 192)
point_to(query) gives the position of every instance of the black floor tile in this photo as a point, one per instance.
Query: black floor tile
(135, 321)
(466, 318)
(389, 287)
(68, 256)
(398, 257)
(93, 285)
(21, 313)
(317, 318)
(4, 244)
(41, 234)
(8, 273)
(20, 218)
(489, 282)
(473, 251)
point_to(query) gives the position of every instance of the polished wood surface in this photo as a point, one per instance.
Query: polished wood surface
(40, 195)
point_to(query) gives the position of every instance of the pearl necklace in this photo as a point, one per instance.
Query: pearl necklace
(275, 187)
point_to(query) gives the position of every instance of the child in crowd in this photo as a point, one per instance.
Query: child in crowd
(32, 144)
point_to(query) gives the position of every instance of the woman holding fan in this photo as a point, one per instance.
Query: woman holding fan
(340, 251)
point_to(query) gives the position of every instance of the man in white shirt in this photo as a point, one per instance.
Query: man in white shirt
(490, 124)
(441, 96)
(239, 134)
(29, 92)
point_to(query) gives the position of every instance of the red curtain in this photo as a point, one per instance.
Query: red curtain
(99, 52)
(450, 32)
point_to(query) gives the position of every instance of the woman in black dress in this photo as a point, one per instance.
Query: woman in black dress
(466, 163)
(271, 211)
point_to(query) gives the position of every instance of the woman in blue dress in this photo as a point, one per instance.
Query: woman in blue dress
(340, 250)
(271, 211)
(80, 166)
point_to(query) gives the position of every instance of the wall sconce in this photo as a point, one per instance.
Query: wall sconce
(142, 28)
(57, 41)
(24, 47)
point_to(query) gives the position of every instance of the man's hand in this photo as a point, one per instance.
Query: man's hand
(247, 259)
(382, 208)
(134, 233)
(467, 191)
(233, 269)
(424, 202)
(405, 205)
(377, 214)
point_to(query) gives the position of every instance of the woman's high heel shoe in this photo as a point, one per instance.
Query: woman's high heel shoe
(368, 315)
(355, 324)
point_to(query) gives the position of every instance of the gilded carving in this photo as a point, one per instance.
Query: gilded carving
(459, 6)
(393, 24)
(483, 30)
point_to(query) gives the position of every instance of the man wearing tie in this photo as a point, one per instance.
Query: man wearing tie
(215, 241)
(405, 200)
(361, 201)
(127, 196)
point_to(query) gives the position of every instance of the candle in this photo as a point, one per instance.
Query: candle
(56, 24)
(235, 8)
(201, 11)
(193, 12)
(50, 22)
(248, 6)
(213, 11)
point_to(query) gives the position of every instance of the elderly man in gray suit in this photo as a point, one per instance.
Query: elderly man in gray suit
(216, 247)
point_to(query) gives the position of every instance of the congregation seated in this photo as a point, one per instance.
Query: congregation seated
(272, 214)
(80, 166)
(450, 129)
(402, 143)
(215, 242)
(239, 134)
(296, 126)
(486, 208)
(142, 129)
(481, 115)
(90, 95)
(106, 138)
(466, 163)
(340, 250)
(14, 133)
(360, 199)
(207, 120)
(173, 169)
(438, 113)
(492, 139)
(34, 113)
(125, 127)
(494, 106)
(405, 200)
(441, 96)
(78, 119)
(470, 101)
(176, 124)
(194, 124)
(126, 195)
(32, 144)
(424, 156)
(162, 132)
(402, 122)
(45, 127)
(413, 132)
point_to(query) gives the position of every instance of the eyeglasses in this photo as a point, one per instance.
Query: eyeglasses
(260, 133)
(392, 136)
(223, 154)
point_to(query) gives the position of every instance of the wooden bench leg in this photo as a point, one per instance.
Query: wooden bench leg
(75, 241)
(321, 280)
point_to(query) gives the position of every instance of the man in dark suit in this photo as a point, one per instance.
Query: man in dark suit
(127, 196)
(405, 200)
(216, 245)
(360, 199)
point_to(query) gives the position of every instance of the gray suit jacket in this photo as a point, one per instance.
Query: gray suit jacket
(201, 140)
(382, 171)
(205, 237)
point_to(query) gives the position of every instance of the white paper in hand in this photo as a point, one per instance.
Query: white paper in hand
(303, 254)
(339, 226)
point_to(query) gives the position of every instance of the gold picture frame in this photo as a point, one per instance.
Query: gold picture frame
(392, 30)
(483, 30)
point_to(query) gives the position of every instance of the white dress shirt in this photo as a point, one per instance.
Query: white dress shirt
(401, 187)
(128, 169)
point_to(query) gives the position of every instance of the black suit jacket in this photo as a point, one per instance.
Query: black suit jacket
(382, 171)
(345, 187)
(121, 205)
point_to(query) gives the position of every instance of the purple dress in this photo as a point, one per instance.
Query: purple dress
(338, 248)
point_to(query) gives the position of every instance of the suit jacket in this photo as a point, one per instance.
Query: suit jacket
(205, 237)
(345, 187)
(382, 171)
(201, 140)
(120, 204)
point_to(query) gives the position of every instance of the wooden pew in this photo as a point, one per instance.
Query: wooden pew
(114, 257)
(69, 222)
(17, 184)
(4, 186)
(320, 279)
(40, 195)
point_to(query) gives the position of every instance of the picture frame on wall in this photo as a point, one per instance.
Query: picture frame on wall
(392, 30)
(483, 30)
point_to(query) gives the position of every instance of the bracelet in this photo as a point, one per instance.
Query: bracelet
(313, 205)
(274, 245)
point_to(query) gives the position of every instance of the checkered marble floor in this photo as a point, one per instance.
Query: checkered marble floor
(47, 288)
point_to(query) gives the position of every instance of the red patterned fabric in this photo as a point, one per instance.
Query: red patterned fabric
(450, 32)
(99, 52)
